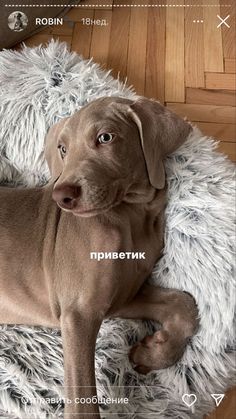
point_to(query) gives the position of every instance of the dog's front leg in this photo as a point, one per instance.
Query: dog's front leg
(79, 332)
(176, 311)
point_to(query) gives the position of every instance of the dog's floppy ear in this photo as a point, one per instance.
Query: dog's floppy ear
(161, 132)
(51, 151)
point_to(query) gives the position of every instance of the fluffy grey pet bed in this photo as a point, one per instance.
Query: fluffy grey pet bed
(39, 86)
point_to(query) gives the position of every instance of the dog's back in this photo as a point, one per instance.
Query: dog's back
(23, 221)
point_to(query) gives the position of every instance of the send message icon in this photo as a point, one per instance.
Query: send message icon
(218, 398)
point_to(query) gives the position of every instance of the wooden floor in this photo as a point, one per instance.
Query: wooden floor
(188, 66)
(164, 54)
(227, 408)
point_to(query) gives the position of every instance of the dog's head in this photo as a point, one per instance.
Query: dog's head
(112, 150)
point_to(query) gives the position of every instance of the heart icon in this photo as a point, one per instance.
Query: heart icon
(189, 399)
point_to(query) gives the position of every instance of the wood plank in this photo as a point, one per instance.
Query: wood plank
(137, 47)
(75, 15)
(223, 132)
(43, 39)
(119, 38)
(194, 48)
(210, 97)
(230, 65)
(82, 34)
(220, 81)
(155, 57)
(230, 150)
(213, 49)
(101, 37)
(205, 113)
(65, 29)
(227, 407)
(174, 62)
(229, 34)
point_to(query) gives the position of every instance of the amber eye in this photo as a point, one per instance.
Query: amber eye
(62, 150)
(105, 138)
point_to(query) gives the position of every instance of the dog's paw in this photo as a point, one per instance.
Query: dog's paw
(155, 352)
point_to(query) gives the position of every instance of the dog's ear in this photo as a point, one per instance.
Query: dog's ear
(51, 151)
(161, 132)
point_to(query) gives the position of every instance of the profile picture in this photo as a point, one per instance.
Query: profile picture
(17, 21)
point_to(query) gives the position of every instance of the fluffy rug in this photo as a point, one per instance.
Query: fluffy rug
(39, 86)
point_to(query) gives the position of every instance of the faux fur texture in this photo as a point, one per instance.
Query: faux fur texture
(38, 87)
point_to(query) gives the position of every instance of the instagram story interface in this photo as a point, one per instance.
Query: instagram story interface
(117, 209)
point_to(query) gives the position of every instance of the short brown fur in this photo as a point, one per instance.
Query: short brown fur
(106, 198)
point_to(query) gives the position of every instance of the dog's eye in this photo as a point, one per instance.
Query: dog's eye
(105, 138)
(62, 150)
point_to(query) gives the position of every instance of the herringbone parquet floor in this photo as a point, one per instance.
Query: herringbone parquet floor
(163, 53)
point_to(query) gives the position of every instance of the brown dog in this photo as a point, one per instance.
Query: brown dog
(72, 260)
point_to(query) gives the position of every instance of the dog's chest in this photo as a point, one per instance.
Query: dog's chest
(113, 254)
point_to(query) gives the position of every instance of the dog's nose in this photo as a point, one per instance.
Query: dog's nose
(66, 195)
